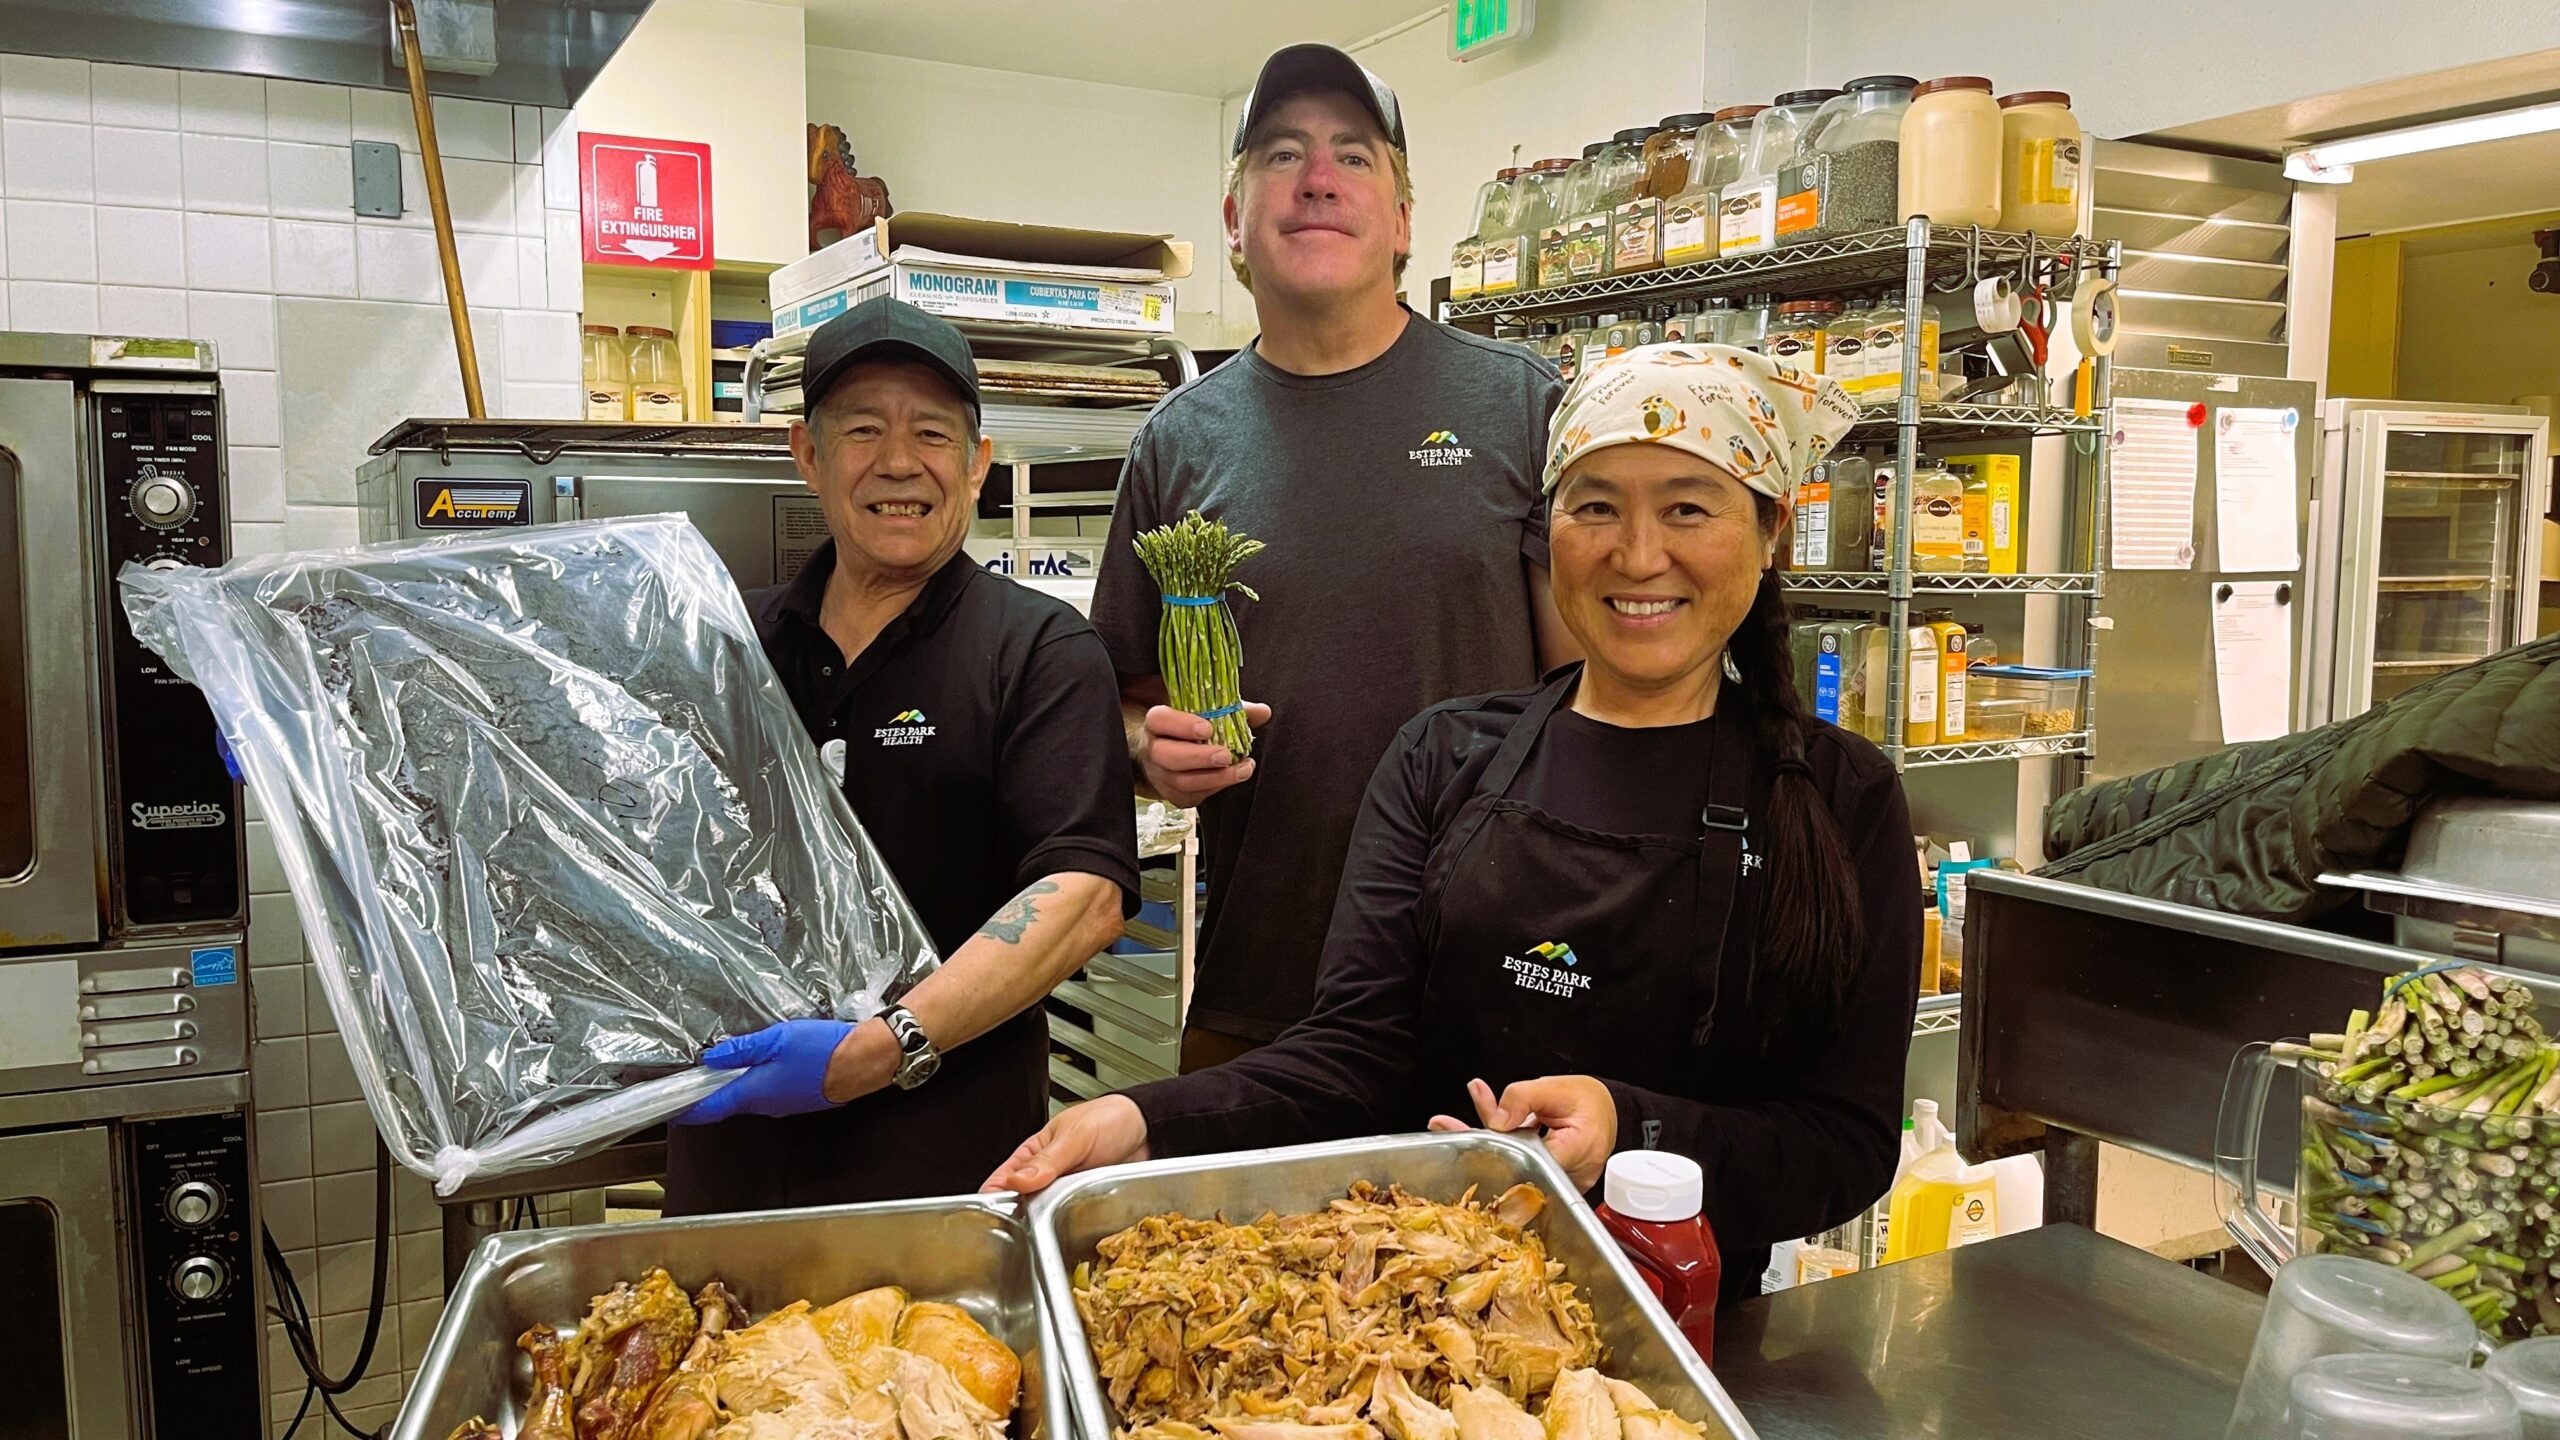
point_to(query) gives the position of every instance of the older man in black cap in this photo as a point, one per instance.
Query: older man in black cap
(980, 725)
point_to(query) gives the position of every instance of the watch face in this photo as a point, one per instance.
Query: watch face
(919, 1071)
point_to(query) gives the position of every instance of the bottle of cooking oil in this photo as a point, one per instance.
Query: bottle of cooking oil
(1937, 520)
(1951, 652)
(1977, 517)
(1920, 688)
(1880, 370)
(1939, 1203)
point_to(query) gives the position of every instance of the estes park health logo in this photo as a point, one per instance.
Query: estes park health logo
(1550, 968)
(1440, 447)
(907, 727)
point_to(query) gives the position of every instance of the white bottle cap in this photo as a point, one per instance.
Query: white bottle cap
(1652, 1185)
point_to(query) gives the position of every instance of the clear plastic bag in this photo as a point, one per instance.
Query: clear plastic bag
(550, 823)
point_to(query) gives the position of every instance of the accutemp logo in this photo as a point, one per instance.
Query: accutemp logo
(1540, 972)
(192, 815)
(1440, 447)
(469, 505)
(907, 727)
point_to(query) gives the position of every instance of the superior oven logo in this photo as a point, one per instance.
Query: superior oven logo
(1440, 447)
(1549, 969)
(474, 504)
(907, 727)
(190, 815)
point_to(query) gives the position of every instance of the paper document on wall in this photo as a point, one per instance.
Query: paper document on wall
(2253, 658)
(2256, 490)
(2152, 488)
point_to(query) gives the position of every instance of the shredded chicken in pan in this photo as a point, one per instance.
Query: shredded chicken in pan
(648, 1363)
(1380, 1313)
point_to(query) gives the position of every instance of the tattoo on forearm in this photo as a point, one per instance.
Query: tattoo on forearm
(1019, 913)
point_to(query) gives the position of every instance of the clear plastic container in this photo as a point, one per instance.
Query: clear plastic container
(1466, 260)
(2324, 1305)
(605, 368)
(2040, 163)
(2053, 697)
(1511, 251)
(1833, 511)
(1846, 174)
(1634, 216)
(1950, 162)
(1753, 321)
(1937, 520)
(1691, 220)
(1802, 327)
(1844, 347)
(1648, 330)
(2392, 1397)
(1572, 345)
(1748, 216)
(1578, 233)
(1717, 324)
(1993, 719)
(1668, 151)
(2530, 1369)
(1686, 322)
(1840, 675)
(657, 375)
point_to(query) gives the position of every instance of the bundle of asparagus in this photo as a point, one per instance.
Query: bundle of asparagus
(1193, 563)
(2432, 1143)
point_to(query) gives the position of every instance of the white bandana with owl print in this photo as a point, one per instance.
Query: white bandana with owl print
(1763, 421)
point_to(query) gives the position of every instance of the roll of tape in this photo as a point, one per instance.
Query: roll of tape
(2093, 317)
(1996, 306)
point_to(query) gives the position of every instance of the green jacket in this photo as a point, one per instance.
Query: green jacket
(2249, 829)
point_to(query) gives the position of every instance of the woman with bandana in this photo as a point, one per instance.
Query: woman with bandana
(1652, 903)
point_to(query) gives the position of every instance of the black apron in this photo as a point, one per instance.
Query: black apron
(1558, 950)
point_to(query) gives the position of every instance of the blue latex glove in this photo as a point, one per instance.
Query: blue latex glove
(786, 1067)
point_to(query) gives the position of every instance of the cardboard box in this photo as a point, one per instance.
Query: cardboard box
(958, 292)
(986, 245)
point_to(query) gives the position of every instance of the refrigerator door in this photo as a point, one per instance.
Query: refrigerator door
(2436, 546)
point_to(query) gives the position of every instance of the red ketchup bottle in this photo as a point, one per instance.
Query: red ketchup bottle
(1651, 1204)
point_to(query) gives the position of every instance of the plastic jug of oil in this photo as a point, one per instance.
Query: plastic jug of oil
(1939, 1202)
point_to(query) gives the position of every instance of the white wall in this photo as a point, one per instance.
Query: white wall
(219, 207)
(996, 145)
(2135, 69)
(2469, 329)
(728, 73)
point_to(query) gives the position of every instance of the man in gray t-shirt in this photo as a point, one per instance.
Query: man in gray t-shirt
(1391, 464)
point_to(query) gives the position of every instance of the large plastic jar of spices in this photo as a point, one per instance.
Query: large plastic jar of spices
(2040, 163)
(1466, 259)
(1802, 332)
(1750, 215)
(1851, 171)
(657, 375)
(1667, 152)
(607, 373)
(1511, 247)
(1690, 222)
(1572, 221)
(1634, 240)
(1950, 161)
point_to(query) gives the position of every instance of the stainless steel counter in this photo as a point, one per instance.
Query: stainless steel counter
(2054, 1334)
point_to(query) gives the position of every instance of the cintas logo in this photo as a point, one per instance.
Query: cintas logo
(1440, 447)
(907, 727)
(189, 815)
(1539, 972)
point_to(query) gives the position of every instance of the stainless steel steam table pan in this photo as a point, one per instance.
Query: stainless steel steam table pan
(1643, 1345)
(973, 1251)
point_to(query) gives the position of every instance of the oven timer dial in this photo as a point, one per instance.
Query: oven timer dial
(199, 1277)
(194, 1203)
(163, 502)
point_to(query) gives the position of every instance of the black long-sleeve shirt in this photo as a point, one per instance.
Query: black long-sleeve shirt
(1792, 1144)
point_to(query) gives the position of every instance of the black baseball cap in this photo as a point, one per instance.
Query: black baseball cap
(1314, 69)
(886, 328)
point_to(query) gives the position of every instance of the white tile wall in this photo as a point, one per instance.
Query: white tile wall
(139, 199)
(47, 160)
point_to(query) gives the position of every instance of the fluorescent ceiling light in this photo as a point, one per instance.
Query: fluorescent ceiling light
(2334, 161)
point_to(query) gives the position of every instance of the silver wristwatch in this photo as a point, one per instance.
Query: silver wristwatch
(920, 1058)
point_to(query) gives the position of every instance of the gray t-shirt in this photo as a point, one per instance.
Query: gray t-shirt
(1400, 503)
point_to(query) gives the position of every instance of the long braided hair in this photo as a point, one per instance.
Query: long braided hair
(1811, 927)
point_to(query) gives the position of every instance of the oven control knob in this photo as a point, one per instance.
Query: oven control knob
(163, 501)
(194, 1202)
(199, 1277)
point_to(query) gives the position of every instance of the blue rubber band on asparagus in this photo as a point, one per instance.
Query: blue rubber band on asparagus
(1190, 599)
(2438, 968)
(1221, 713)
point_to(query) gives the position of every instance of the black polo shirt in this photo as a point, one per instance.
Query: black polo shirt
(983, 750)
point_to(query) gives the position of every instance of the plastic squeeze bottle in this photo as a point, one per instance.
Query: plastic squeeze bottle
(1652, 1204)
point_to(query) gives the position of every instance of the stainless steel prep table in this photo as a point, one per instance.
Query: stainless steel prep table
(2053, 1334)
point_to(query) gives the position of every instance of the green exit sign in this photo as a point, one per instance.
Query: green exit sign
(1476, 26)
